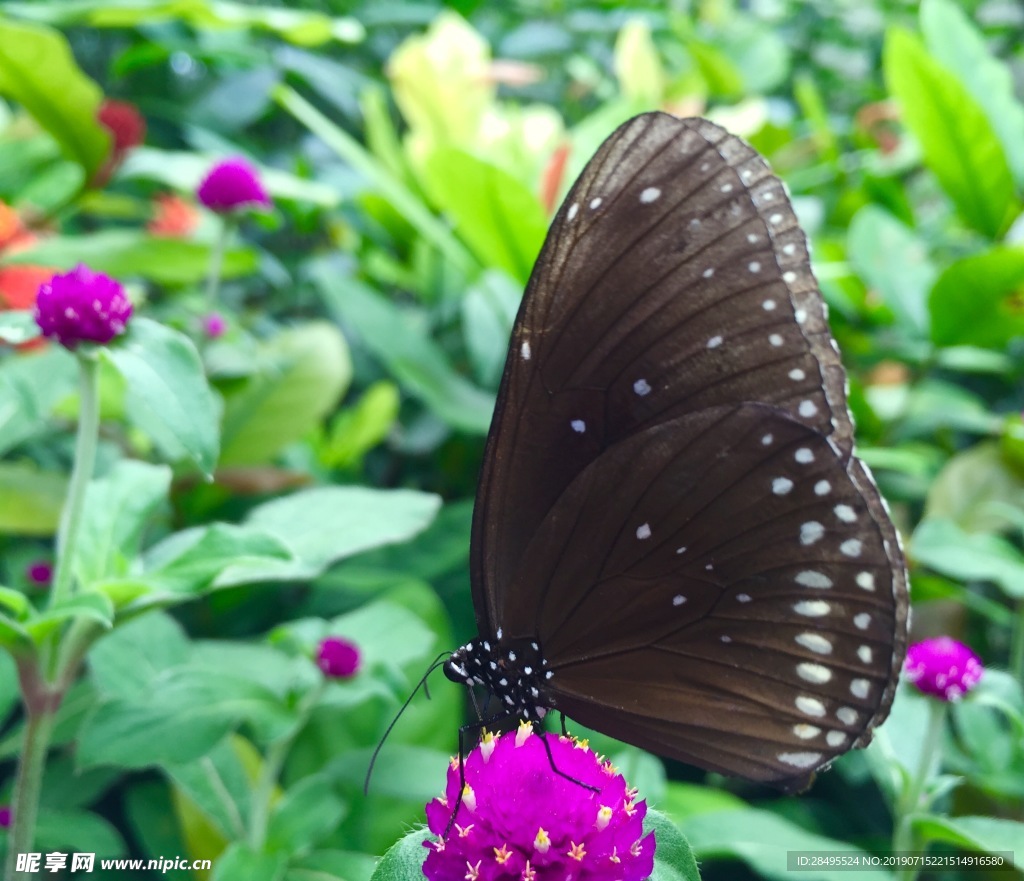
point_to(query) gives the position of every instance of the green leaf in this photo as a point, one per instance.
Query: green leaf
(84, 606)
(673, 857)
(959, 46)
(683, 799)
(972, 486)
(127, 662)
(14, 601)
(168, 398)
(219, 787)
(975, 300)
(304, 28)
(325, 524)
(987, 834)
(241, 861)
(127, 253)
(30, 499)
(77, 831)
(400, 341)
(192, 708)
(185, 171)
(38, 71)
(30, 387)
(188, 563)
(946, 548)
(488, 313)
(498, 216)
(306, 372)
(356, 430)
(332, 865)
(958, 142)
(762, 843)
(894, 262)
(117, 510)
(17, 327)
(404, 861)
(638, 66)
(14, 637)
(306, 813)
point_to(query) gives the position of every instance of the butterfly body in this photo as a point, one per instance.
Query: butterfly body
(672, 532)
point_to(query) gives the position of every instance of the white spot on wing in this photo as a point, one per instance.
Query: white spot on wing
(851, 547)
(754, 266)
(804, 456)
(524, 351)
(800, 760)
(811, 706)
(595, 203)
(781, 485)
(643, 531)
(574, 209)
(714, 342)
(864, 653)
(649, 195)
(811, 578)
(822, 488)
(860, 688)
(845, 513)
(578, 425)
(815, 642)
(775, 339)
(847, 715)
(807, 409)
(678, 599)
(707, 273)
(861, 620)
(810, 532)
(805, 731)
(642, 387)
(816, 673)
(865, 580)
(796, 374)
(768, 305)
(812, 608)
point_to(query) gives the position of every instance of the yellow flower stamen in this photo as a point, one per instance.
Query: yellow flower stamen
(542, 842)
(502, 854)
(576, 852)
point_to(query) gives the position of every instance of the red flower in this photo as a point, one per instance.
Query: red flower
(551, 180)
(127, 129)
(173, 217)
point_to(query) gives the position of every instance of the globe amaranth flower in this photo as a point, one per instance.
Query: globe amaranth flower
(82, 306)
(943, 667)
(232, 184)
(39, 573)
(519, 820)
(338, 658)
(5, 817)
(214, 325)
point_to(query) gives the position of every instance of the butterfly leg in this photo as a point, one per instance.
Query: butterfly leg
(560, 773)
(463, 731)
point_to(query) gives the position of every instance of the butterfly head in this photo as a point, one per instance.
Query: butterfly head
(515, 672)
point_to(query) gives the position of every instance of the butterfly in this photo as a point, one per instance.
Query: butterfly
(673, 541)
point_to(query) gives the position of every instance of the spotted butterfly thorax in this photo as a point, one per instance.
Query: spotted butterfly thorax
(673, 541)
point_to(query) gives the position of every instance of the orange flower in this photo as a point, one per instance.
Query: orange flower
(19, 284)
(551, 179)
(173, 217)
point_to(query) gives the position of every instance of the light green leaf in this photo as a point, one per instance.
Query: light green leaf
(30, 499)
(946, 548)
(488, 312)
(959, 46)
(306, 813)
(975, 300)
(894, 262)
(38, 71)
(127, 662)
(332, 865)
(958, 142)
(304, 28)
(219, 787)
(30, 386)
(987, 834)
(241, 861)
(304, 373)
(673, 856)
(81, 831)
(326, 524)
(14, 602)
(358, 429)
(404, 861)
(17, 327)
(638, 66)
(970, 488)
(87, 606)
(168, 398)
(400, 341)
(117, 511)
(126, 253)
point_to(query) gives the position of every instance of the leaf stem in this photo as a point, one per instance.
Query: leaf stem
(227, 226)
(81, 474)
(909, 803)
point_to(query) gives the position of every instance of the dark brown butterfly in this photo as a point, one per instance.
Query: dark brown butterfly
(673, 541)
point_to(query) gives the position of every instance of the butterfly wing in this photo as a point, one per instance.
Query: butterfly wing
(675, 282)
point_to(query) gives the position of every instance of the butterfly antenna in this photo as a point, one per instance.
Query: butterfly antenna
(439, 661)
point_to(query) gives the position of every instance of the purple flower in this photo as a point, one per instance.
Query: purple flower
(82, 306)
(943, 667)
(214, 325)
(337, 657)
(520, 821)
(231, 184)
(5, 817)
(40, 573)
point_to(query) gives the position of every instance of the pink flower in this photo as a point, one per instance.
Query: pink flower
(943, 667)
(520, 821)
(82, 306)
(232, 184)
(5, 817)
(214, 325)
(40, 573)
(338, 658)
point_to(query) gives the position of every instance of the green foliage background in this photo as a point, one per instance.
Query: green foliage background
(409, 151)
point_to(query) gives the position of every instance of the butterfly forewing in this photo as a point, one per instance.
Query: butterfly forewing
(645, 509)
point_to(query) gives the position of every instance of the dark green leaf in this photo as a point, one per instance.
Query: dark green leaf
(30, 386)
(306, 813)
(241, 861)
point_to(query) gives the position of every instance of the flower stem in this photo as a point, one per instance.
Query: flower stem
(40, 711)
(227, 225)
(81, 473)
(276, 756)
(909, 803)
